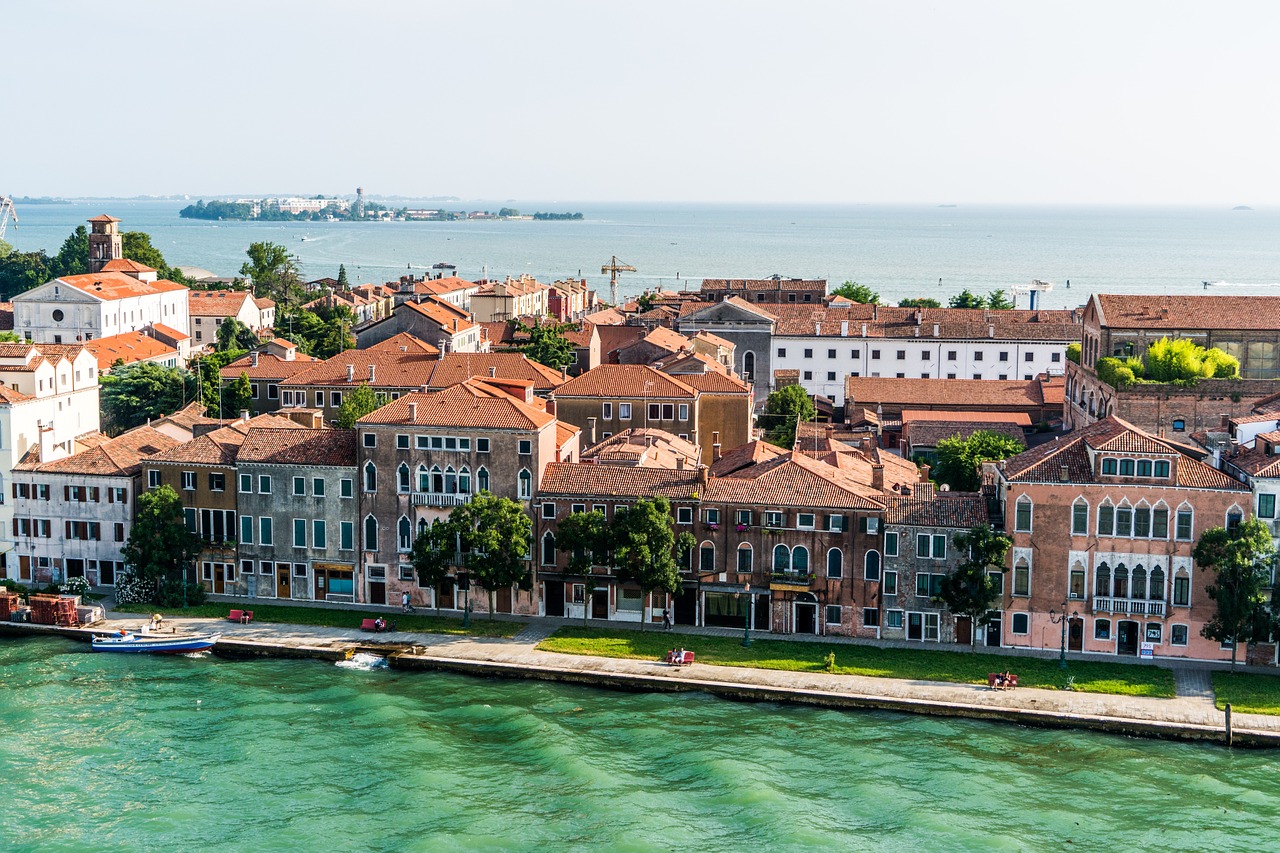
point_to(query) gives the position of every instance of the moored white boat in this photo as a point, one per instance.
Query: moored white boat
(154, 644)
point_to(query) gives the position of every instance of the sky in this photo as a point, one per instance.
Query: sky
(723, 102)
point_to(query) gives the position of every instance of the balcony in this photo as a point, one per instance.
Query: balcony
(1129, 606)
(438, 499)
(790, 581)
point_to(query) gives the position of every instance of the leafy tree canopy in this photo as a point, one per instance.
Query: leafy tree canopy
(274, 272)
(132, 393)
(355, 405)
(997, 299)
(548, 345)
(960, 458)
(970, 590)
(645, 546)
(495, 534)
(784, 409)
(238, 397)
(919, 302)
(73, 257)
(857, 293)
(1241, 559)
(159, 544)
(434, 553)
(967, 299)
(232, 334)
(1175, 360)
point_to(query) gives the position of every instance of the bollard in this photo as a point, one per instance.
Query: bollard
(1228, 713)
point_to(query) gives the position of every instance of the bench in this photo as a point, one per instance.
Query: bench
(369, 625)
(235, 616)
(997, 681)
(246, 617)
(676, 660)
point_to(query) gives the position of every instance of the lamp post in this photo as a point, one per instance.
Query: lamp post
(465, 582)
(1062, 619)
(746, 619)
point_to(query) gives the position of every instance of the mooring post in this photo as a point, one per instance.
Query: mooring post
(1228, 713)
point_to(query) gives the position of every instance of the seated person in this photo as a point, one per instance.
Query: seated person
(379, 624)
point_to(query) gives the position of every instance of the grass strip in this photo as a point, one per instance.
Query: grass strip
(323, 617)
(921, 664)
(1248, 692)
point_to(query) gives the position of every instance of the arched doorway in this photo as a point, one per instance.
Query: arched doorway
(748, 366)
(805, 613)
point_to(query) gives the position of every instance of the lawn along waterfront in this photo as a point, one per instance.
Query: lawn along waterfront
(917, 664)
(1248, 692)
(296, 615)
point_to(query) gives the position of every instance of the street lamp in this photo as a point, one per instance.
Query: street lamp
(746, 618)
(464, 581)
(1063, 619)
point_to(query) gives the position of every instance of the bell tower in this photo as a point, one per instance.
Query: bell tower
(105, 243)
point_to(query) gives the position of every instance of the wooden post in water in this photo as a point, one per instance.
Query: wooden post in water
(1228, 713)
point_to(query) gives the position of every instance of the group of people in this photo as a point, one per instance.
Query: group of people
(1004, 680)
(676, 655)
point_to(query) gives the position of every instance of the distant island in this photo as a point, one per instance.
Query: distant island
(27, 201)
(1242, 207)
(322, 209)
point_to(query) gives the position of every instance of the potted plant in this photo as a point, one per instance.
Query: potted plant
(741, 528)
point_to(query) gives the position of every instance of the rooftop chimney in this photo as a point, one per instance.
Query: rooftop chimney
(919, 316)
(1064, 474)
(351, 373)
(924, 473)
(991, 331)
(493, 371)
(935, 330)
(844, 328)
(551, 406)
(864, 330)
(704, 474)
(679, 463)
(591, 430)
(255, 358)
(877, 476)
(715, 452)
(244, 414)
(372, 373)
(564, 374)
(413, 412)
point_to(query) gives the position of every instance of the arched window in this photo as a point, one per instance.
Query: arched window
(1022, 515)
(1120, 585)
(437, 479)
(464, 481)
(422, 526)
(1080, 518)
(424, 479)
(1138, 588)
(1106, 519)
(835, 563)
(405, 533)
(1102, 584)
(370, 533)
(744, 559)
(482, 479)
(748, 365)
(402, 478)
(370, 477)
(450, 481)
(526, 484)
(800, 560)
(1157, 584)
(707, 558)
(781, 560)
(548, 549)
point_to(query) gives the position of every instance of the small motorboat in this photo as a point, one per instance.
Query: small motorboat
(125, 641)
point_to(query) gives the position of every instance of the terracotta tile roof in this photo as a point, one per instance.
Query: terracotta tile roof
(116, 285)
(443, 314)
(125, 265)
(504, 332)
(120, 456)
(402, 361)
(751, 453)
(652, 448)
(714, 340)
(217, 303)
(6, 316)
(1019, 418)
(920, 434)
(606, 317)
(1166, 311)
(754, 284)
(953, 323)
(661, 336)
(455, 367)
(690, 363)
(270, 366)
(220, 446)
(573, 479)
(626, 380)
(580, 336)
(314, 447)
(793, 480)
(168, 332)
(614, 338)
(104, 218)
(473, 403)
(1255, 461)
(961, 510)
(263, 303)
(715, 383)
(970, 393)
(129, 347)
(187, 417)
(1043, 464)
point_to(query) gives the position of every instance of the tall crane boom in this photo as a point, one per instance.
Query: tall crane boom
(613, 268)
(6, 210)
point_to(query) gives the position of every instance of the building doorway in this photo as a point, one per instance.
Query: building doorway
(282, 580)
(806, 613)
(686, 612)
(964, 630)
(553, 595)
(1127, 638)
(994, 637)
(599, 603)
(1075, 635)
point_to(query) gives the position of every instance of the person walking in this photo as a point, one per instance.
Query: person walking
(404, 602)
(666, 619)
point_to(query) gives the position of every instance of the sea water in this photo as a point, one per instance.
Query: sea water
(129, 753)
(900, 251)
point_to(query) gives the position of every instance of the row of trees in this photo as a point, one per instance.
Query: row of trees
(21, 271)
(997, 299)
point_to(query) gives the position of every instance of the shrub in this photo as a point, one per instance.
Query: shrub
(1073, 353)
(76, 586)
(172, 594)
(131, 589)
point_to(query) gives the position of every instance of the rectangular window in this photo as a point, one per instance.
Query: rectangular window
(153, 479)
(684, 412)
(421, 442)
(1106, 520)
(808, 353)
(1178, 635)
(624, 411)
(1021, 580)
(1160, 523)
(299, 486)
(808, 375)
(1162, 468)
(189, 516)
(1126, 467)
(299, 533)
(1080, 519)
(773, 519)
(1022, 520)
(246, 530)
(805, 520)
(835, 523)
(893, 619)
(1142, 522)
(335, 399)
(922, 546)
(525, 447)
(1020, 624)
(1124, 521)
(317, 487)
(1004, 355)
(1029, 356)
(548, 510)
(1182, 591)
(891, 544)
(606, 411)
(744, 561)
(743, 517)
(1109, 466)
(668, 411)
(977, 356)
(265, 533)
(997, 581)
(890, 585)
(1102, 629)
(655, 411)
(875, 353)
(939, 547)
(1144, 467)
(264, 484)
(189, 481)
(346, 487)
(246, 483)
(402, 442)
(710, 515)
(1266, 506)
(370, 439)
(902, 355)
(217, 482)
(782, 352)
(346, 535)
(922, 584)
(870, 616)
(684, 515)
(1076, 589)
(1183, 530)
(319, 534)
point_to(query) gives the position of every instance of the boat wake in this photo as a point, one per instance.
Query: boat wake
(363, 660)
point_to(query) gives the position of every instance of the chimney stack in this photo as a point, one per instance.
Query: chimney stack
(679, 463)
(924, 472)
(372, 373)
(493, 371)
(715, 452)
(413, 412)
(704, 474)
(591, 430)
(551, 406)
(564, 374)
(244, 414)
(935, 330)
(351, 373)
(1064, 474)
(877, 476)
(255, 358)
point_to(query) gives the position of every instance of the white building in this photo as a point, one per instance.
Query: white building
(48, 397)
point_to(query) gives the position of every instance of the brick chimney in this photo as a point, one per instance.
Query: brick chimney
(413, 413)
(924, 472)
(551, 406)
(877, 476)
(715, 452)
(704, 474)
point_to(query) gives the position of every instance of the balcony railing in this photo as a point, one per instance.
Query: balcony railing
(790, 578)
(1132, 606)
(438, 499)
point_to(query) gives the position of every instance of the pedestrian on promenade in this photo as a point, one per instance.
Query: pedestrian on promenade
(666, 619)
(404, 602)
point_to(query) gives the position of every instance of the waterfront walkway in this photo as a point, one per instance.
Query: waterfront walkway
(1190, 715)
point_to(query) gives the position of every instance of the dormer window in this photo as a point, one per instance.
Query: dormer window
(1161, 468)
(1109, 466)
(1144, 467)
(1126, 467)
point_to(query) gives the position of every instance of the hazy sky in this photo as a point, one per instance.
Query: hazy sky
(841, 102)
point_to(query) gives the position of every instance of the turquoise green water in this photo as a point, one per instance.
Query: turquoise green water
(116, 753)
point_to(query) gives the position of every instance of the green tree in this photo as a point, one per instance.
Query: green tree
(5, 248)
(1241, 560)
(343, 284)
(919, 302)
(73, 257)
(644, 544)
(960, 458)
(495, 534)
(998, 300)
(857, 292)
(232, 334)
(159, 546)
(356, 404)
(137, 247)
(548, 345)
(274, 272)
(238, 397)
(208, 369)
(21, 271)
(434, 553)
(1073, 352)
(133, 393)
(784, 410)
(970, 590)
(1182, 360)
(585, 536)
(967, 299)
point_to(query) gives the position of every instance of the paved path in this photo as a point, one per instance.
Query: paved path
(1193, 705)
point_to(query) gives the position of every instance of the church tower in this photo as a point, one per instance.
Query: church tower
(105, 243)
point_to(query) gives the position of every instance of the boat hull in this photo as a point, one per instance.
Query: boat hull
(154, 646)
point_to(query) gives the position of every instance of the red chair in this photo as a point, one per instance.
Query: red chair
(369, 625)
(246, 617)
(235, 616)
